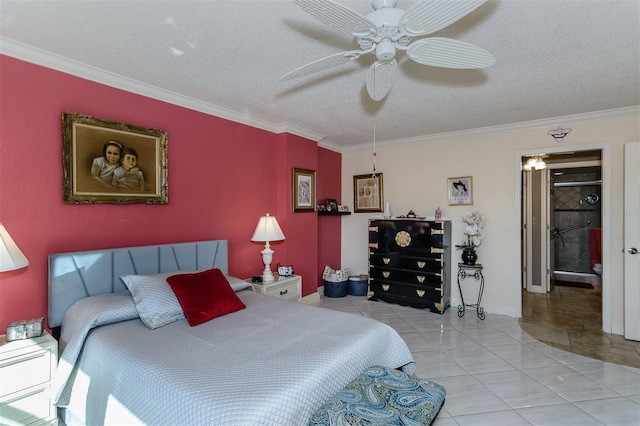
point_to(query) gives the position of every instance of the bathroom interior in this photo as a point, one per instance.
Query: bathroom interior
(577, 214)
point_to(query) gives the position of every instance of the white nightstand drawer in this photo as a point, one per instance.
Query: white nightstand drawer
(24, 371)
(27, 407)
(287, 290)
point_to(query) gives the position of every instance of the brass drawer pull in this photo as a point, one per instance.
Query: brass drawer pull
(386, 274)
(420, 278)
(385, 287)
(420, 293)
(282, 293)
(421, 264)
(386, 260)
(373, 245)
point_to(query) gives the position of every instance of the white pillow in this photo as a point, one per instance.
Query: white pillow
(155, 301)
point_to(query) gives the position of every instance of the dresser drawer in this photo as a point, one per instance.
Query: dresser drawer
(422, 264)
(25, 370)
(388, 260)
(406, 276)
(27, 407)
(284, 291)
(406, 290)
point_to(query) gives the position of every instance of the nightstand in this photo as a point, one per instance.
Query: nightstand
(26, 370)
(289, 288)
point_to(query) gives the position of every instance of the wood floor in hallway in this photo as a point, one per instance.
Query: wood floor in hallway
(570, 318)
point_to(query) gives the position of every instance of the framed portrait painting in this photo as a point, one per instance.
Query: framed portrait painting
(460, 191)
(304, 190)
(112, 162)
(368, 193)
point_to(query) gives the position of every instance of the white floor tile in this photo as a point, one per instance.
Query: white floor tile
(496, 374)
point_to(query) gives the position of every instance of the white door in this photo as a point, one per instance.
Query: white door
(551, 227)
(632, 241)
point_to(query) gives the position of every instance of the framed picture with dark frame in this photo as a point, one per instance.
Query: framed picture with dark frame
(112, 162)
(460, 191)
(368, 195)
(304, 190)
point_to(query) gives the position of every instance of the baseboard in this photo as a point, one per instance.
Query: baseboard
(312, 299)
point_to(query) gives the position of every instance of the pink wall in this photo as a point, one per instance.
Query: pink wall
(222, 177)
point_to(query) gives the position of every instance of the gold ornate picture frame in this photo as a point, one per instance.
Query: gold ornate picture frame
(112, 162)
(368, 194)
(304, 190)
(460, 191)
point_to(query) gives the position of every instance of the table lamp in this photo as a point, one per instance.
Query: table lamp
(10, 255)
(267, 230)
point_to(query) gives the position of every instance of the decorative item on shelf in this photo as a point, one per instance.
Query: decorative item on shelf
(331, 205)
(267, 230)
(438, 214)
(411, 214)
(343, 209)
(322, 208)
(475, 222)
(387, 211)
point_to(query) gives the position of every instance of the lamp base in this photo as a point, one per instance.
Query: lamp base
(267, 256)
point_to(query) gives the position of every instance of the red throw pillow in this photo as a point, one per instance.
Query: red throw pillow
(204, 295)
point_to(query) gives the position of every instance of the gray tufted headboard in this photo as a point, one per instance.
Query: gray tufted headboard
(73, 276)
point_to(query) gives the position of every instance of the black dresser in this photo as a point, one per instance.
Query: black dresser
(409, 262)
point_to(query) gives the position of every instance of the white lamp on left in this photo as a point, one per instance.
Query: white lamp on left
(10, 255)
(267, 230)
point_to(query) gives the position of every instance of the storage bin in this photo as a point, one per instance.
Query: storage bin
(358, 285)
(335, 288)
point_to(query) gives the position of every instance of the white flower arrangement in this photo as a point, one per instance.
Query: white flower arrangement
(475, 224)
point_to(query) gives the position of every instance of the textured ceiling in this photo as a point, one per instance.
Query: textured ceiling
(553, 58)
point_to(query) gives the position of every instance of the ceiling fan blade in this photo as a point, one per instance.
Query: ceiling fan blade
(323, 64)
(380, 78)
(449, 53)
(338, 17)
(428, 16)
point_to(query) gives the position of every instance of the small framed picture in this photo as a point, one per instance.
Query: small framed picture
(342, 208)
(304, 190)
(460, 190)
(331, 204)
(367, 193)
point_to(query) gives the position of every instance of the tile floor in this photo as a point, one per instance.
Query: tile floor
(497, 374)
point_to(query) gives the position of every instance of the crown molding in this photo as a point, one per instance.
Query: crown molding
(41, 57)
(547, 122)
(63, 64)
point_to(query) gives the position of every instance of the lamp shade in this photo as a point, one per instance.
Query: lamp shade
(10, 255)
(267, 230)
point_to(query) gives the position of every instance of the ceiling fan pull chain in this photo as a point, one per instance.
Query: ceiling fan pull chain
(373, 175)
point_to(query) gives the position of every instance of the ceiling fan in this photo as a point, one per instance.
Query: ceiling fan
(388, 29)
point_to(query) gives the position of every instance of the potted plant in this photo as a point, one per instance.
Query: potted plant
(475, 222)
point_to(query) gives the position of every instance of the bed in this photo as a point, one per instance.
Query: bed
(273, 362)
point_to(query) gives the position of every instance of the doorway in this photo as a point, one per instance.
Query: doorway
(561, 222)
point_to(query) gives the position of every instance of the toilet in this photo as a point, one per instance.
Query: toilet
(597, 268)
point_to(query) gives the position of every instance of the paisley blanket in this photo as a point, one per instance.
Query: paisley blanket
(382, 396)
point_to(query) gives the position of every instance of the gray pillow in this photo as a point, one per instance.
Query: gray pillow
(156, 303)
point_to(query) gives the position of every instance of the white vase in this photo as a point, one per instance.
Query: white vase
(387, 211)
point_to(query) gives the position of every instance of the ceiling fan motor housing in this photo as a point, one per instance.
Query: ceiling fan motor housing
(385, 50)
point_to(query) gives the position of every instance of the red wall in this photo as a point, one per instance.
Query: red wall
(222, 177)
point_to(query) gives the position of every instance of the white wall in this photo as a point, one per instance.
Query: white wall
(415, 177)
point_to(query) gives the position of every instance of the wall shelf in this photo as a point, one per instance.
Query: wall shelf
(325, 213)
